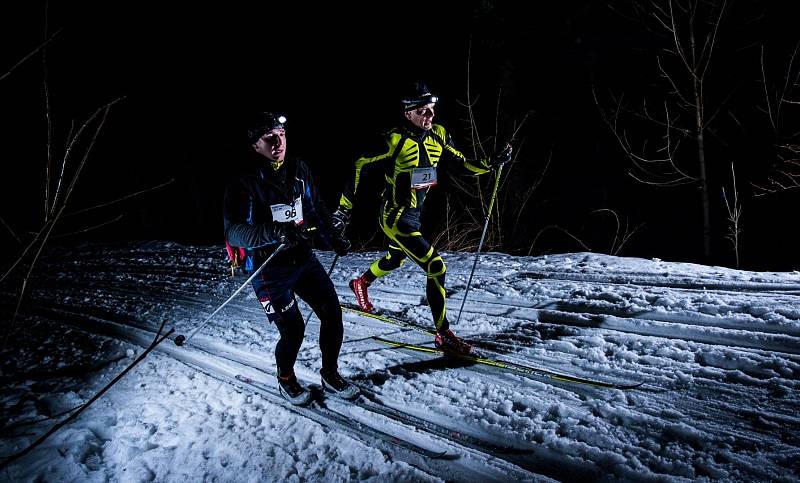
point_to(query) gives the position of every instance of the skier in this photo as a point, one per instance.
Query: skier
(410, 155)
(279, 204)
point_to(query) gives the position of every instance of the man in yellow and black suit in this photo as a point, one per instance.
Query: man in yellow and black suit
(410, 155)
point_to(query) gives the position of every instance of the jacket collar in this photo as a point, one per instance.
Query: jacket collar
(282, 178)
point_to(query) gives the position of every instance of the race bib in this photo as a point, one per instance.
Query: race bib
(423, 177)
(288, 213)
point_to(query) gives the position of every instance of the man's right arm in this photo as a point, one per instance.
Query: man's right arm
(384, 147)
(255, 236)
(237, 209)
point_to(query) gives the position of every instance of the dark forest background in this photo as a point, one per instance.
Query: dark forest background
(586, 74)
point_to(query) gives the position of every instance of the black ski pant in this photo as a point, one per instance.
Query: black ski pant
(402, 226)
(276, 288)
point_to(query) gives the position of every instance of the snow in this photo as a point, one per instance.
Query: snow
(717, 350)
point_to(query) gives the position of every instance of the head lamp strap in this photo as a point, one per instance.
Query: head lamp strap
(419, 101)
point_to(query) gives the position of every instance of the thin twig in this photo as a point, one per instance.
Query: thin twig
(88, 228)
(10, 230)
(556, 227)
(31, 54)
(104, 109)
(47, 112)
(118, 200)
(57, 215)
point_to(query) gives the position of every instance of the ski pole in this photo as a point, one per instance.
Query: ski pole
(330, 270)
(483, 235)
(181, 339)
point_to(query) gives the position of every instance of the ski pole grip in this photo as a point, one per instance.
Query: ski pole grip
(180, 340)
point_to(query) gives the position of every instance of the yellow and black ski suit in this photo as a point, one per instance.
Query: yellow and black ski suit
(407, 156)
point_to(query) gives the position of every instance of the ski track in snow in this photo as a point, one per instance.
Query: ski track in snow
(718, 351)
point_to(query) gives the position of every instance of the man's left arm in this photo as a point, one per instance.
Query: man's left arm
(475, 166)
(328, 232)
(449, 150)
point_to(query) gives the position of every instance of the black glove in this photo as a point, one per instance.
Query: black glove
(292, 234)
(340, 245)
(340, 219)
(501, 157)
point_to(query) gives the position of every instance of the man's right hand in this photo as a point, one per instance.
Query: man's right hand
(340, 219)
(292, 234)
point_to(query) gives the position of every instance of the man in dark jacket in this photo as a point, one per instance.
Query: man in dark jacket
(279, 206)
(409, 155)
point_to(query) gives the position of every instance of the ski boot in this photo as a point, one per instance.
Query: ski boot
(446, 341)
(359, 288)
(292, 391)
(336, 384)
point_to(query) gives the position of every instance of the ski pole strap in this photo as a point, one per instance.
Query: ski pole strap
(483, 236)
(181, 340)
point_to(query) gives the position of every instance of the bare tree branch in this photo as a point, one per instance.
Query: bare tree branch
(10, 230)
(31, 54)
(563, 230)
(47, 230)
(734, 209)
(118, 200)
(88, 228)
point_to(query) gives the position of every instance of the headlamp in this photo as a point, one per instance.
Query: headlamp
(413, 103)
(265, 122)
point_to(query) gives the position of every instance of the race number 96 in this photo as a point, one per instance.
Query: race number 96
(283, 213)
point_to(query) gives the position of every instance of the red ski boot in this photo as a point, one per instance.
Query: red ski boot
(359, 288)
(446, 341)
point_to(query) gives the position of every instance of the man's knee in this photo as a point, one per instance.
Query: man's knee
(330, 310)
(436, 267)
(389, 263)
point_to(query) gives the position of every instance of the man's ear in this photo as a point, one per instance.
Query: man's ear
(408, 115)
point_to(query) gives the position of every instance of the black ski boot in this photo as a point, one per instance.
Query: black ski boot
(292, 391)
(336, 384)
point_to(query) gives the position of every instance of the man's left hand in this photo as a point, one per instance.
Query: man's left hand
(340, 218)
(341, 245)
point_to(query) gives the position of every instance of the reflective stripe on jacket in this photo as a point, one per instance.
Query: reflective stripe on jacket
(404, 149)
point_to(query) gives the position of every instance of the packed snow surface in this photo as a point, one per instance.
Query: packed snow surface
(717, 351)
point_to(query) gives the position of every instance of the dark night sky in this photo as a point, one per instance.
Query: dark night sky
(190, 72)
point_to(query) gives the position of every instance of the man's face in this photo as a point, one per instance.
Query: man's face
(422, 116)
(272, 145)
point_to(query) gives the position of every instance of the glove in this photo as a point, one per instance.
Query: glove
(340, 219)
(340, 245)
(292, 234)
(501, 157)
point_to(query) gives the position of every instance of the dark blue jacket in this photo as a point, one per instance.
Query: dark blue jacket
(248, 219)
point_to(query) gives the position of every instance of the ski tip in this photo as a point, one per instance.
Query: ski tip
(628, 386)
(442, 455)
